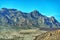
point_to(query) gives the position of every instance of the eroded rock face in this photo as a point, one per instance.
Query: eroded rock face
(18, 19)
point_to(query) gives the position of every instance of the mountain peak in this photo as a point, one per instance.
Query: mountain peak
(4, 9)
(12, 9)
(9, 9)
(53, 17)
(36, 11)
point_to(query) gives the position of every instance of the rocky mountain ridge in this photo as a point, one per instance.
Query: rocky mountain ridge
(13, 18)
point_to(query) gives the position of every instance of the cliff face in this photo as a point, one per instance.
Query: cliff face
(13, 18)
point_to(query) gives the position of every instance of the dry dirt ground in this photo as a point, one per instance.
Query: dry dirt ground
(30, 34)
(52, 35)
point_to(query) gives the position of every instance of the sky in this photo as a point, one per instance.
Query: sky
(45, 7)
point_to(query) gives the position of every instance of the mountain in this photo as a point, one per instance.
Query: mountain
(52, 35)
(15, 19)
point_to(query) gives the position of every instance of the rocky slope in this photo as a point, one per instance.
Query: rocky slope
(52, 35)
(15, 19)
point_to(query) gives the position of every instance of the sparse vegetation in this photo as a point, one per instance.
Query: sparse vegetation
(20, 35)
(52, 35)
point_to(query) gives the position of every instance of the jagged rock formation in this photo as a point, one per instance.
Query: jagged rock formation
(13, 18)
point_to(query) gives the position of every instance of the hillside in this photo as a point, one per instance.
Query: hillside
(52, 35)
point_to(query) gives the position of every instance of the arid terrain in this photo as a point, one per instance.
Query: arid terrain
(30, 34)
(21, 35)
(52, 35)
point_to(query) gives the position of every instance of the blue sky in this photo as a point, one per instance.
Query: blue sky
(45, 7)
